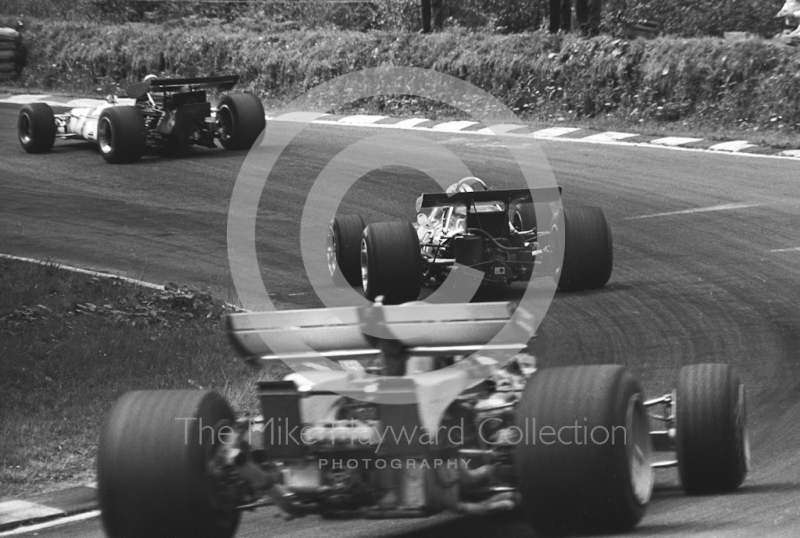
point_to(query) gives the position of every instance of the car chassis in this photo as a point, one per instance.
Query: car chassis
(170, 113)
(179, 463)
(488, 235)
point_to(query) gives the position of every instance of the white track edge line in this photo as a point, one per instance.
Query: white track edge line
(100, 274)
(138, 282)
(691, 211)
(54, 523)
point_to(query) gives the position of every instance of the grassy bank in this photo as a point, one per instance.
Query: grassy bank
(705, 83)
(71, 344)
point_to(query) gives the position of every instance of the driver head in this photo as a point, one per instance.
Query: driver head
(466, 185)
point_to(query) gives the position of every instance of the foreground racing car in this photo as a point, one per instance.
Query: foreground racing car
(571, 447)
(494, 233)
(171, 113)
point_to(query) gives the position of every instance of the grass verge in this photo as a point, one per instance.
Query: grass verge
(748, 87)
(71, 344)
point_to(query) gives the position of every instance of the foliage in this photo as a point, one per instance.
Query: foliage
(504, 16)
(686, 18)
(71, 344)
(691, 18)
(712, 81)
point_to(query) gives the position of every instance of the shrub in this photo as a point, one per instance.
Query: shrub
(666, 79)
(687, 18)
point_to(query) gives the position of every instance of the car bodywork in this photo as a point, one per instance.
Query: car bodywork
(407, 411)
(493, 236)
(176, 111)
(171, 113)
(476, 229)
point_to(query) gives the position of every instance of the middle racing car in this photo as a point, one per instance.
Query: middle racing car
(493, 232)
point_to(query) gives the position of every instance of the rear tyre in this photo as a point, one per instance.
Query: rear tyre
(711, 429)
(593, 472)
(390, 262)
(240, 120)
(36, 128)
(344, 249)
(121, 134)
(588, 250)
(153, 466)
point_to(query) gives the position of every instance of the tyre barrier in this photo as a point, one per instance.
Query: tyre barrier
(9, 53)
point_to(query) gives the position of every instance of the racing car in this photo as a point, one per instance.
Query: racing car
(413, 424)
(172, 113)
(493, 232)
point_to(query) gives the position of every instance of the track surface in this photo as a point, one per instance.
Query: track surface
(687, 288)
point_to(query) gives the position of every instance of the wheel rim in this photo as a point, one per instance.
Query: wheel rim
(639, 451)
(224, 123)
(741, 426)
(555, 252)
(105, 136)
(221, 495)
(517, 221)
(331, 251)
(25, 129)
(364, 265)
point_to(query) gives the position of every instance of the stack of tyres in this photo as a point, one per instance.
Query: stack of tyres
(9, 45)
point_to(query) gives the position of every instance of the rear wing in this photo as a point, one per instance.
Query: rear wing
(221, 83)
(547, 194)
(417, 329)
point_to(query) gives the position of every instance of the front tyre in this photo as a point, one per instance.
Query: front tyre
(153, 466)
(583, 460)
(121, 134)
(240, 120)
(390, 262)
(711, 429)
(344, 249)
(523, 217)
(36, 128)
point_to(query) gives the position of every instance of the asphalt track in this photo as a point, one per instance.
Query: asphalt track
(687, 287)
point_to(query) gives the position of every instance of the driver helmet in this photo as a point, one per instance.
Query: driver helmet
(466, 185)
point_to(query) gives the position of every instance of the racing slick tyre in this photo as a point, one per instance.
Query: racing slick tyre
(154, 470)
(36, 128)
(583, 457)
(121, 134)
(711, 429)
(240, 120)
(390, 262)
(588, 249)
(344, 249)
(523, 217)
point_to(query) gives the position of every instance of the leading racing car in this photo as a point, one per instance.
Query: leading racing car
(172, 113)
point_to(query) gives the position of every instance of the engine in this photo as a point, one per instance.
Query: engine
(357, 460)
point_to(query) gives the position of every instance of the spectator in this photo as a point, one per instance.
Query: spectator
(432, 9)
(587, 12)
(560, 15)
